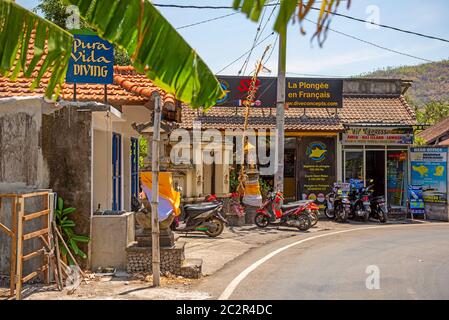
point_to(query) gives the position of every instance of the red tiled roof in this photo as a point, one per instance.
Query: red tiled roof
(129, 88)
(356, 110)
(434, 132)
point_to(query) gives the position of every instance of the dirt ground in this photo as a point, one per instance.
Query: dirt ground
(119, 287)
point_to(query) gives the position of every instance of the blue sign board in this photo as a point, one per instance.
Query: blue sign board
(429, 170)
(91, 61)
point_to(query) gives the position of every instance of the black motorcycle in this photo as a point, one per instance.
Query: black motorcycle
(379, 209)
(337, 205)
(360, 204)
(206, 217)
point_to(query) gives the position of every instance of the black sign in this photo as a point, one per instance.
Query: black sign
(314, 93)
(237, 89)
(317, 167)
(299, 92)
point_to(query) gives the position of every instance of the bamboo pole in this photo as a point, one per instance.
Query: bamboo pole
(58, 257)
(69, 252)
(156, 264)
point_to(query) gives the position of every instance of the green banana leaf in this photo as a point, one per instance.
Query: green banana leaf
(154, 45)
(155, 48)
(287, 11)
(16, 27)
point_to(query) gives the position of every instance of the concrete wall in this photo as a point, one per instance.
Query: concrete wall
(22, 168)
(21, 160)
(67, 150)
(110, 237)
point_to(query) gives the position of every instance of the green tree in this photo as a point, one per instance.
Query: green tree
(56, 12)
(433, 112)
(143, 150)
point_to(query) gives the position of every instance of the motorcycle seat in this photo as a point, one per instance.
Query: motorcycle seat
(296, 204)
(201, 207)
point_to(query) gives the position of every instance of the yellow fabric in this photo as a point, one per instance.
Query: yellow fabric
(166, 189)
(252, 189)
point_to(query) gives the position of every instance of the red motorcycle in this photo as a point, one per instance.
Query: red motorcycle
(299, 214)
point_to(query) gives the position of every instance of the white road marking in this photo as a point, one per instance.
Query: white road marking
(234, 283)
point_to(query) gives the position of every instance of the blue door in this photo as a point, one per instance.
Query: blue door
(117, 171)
(134, 167)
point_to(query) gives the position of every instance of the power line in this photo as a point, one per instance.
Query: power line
(384, 26)
(258, 32)
(372, 44)
(312, 8)
(244, 54)
(258, 35)
(208, 20)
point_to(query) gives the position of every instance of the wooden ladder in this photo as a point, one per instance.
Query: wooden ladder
(22, 218)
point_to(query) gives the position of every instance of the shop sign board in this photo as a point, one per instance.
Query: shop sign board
(299, 93)
(379, 136)
(317, 162)
(91, 61)
(237, 88)
(314, 93)
(429, 170)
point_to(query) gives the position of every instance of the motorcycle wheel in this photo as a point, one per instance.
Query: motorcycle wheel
(344, 215)
(313, 218)
(329, 214)
(383, 216)
(261, 220)
(305, 222)
(219, 228)
(366, 216)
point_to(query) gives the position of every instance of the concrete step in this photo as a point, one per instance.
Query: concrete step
(192, 268)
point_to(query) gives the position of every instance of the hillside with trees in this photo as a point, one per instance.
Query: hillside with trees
(430, 81)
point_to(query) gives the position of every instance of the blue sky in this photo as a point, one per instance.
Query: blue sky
(221, 41)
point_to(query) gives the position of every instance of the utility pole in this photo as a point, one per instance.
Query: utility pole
(280, 110)
(156, 256)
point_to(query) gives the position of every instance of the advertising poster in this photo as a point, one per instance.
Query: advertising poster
(317, 165)
(429, 170)
(299, 92)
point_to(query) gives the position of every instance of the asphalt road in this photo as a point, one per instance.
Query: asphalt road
(412, 261)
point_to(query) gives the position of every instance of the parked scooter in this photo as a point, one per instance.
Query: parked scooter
(360, 202)
(206, 217)
(379, 209)
(337, 204)
(295, 214)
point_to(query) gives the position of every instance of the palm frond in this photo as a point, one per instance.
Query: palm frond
(51, 50)
(155, 48)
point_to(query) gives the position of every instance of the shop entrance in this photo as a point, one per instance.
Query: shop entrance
(375, 170)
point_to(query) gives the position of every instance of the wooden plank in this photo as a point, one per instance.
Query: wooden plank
(35, 194)
(35, 273)
(12, 276)
(35, 234)
(47, 225)
(33, 254)
(6, 229)
(35, 215)
(20, 249)
(9, 195)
